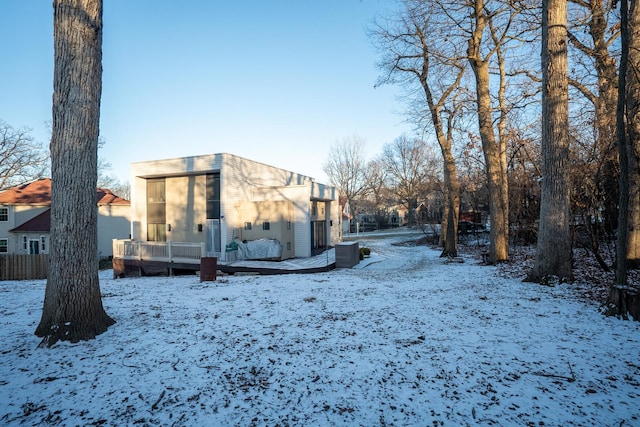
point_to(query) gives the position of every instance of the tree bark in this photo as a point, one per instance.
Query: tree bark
(624, 300)
(72, 309)
(445, 141)
(605, 109)
(554, 249)
(632, 117)
(494, 149)
(452, 200)
(602, 194)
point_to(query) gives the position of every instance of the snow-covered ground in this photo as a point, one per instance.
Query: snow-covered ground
(405, 339)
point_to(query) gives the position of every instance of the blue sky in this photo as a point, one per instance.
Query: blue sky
(277, 81)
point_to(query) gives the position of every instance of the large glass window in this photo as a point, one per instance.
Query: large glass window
(156, 232)
(213, 196)
(156, 211)
(4, 246)
(4, 214)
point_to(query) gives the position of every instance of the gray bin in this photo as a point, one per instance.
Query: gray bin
(347, 254)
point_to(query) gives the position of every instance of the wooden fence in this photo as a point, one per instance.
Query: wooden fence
(24, 267)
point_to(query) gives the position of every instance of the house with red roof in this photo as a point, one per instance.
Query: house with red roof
(25, 219)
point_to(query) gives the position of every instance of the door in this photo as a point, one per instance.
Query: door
(213, 237)
(318, 235)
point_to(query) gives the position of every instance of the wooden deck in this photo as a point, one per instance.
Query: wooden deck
(325, 261)
(165, 259)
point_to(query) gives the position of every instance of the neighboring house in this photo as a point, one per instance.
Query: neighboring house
(25, 219)
(219, 199)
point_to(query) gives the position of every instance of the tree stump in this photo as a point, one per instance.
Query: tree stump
(624, 301)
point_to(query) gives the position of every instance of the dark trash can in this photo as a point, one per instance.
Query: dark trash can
(208, 267)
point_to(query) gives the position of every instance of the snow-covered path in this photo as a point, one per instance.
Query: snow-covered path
(406, 340)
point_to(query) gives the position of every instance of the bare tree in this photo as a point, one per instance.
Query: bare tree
(72, 309)
(489, 33)
(632, 117)
(593, 52)
(415, 51)
(21, 159)
(554, 248)
(412, 167)
(109, 181)
(623, 299)
(120, 188)
(381, 197)
(346, 169)
(523, 162)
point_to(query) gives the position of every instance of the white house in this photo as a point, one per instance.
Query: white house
(220, 199)
(25, 219)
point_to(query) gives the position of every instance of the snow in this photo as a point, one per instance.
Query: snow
(404, 339)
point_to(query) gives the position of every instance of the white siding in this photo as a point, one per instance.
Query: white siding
(114, 222)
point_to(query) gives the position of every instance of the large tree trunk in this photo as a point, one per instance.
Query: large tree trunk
(449, 232)
(606, 119)
(604, 194)
(452, 200)
(496, 168)
(553, 253)
(633, 136)
(623, 299)
(605, 110)
(72, 308)
(494, 149)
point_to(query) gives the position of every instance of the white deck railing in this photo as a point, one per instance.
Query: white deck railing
(183, 252)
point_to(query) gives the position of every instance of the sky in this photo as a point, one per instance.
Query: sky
(277, 81)
(405, 338)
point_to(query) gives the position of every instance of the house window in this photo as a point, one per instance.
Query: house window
(288, 246)
(156, 191)
(24, 243)
(4, 246)
(156, 210)
(156, 232)
(288, 225)
(34, 246)
(4, 214)
(266, 225)
(247, 226)
(213, 196)
(43, 243)
(314, 209)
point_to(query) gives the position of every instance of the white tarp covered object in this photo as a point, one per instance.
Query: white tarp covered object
(260, 249)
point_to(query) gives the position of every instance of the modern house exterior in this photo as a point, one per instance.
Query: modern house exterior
(222, 200)
(25, 219)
